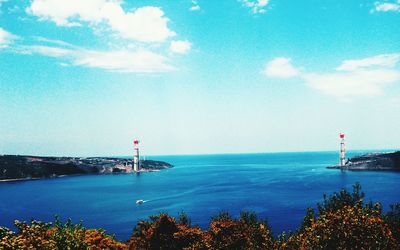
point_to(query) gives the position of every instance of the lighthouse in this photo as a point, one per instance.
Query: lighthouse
(136, 162)
(342, 151)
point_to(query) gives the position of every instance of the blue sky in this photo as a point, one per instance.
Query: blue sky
(84, 78)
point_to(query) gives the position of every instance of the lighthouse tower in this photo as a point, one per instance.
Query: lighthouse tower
(136, 163)
(342, 151)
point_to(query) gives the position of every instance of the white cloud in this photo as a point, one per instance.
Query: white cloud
(281, 67)
(140, 61)
(6, 38)
(353, 78)
(145, 24)
(53, 41)
(262, 3)
(362, 77)
(256, 6)
(195, 6)
(385, 60)
(352, 84)
(47, 51)
(62, 12)
(385, 6)
(180, 47)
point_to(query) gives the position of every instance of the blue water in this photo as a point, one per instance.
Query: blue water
(278, 186)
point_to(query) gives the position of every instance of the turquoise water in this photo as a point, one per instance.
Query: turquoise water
(278, 186)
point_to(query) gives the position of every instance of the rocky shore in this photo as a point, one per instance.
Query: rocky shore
(373, 162)
(17, 167)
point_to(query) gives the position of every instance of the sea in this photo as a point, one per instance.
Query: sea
(278, 187)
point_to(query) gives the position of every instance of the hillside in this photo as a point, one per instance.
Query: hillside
(33, 167)
(374, 162)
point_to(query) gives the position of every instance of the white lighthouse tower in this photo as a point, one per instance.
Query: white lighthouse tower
(136, 162)
(342, 151)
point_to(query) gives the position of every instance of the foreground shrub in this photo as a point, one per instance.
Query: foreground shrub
(97, 239)
(393, 220)
(39, 235)
(163, 232)
(33, 236)
(344, 222)
(345, 228)
(243, 233)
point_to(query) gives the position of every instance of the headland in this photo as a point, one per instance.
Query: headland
(23, 167)
(373, 162)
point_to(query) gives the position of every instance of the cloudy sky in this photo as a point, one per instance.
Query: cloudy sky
(84, 78)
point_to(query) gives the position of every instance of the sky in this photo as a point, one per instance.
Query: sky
(85, 78)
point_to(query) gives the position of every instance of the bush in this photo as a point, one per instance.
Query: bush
(163, 232)
(346, 228)
(344, 222)
(39, 235)
(342, 199)
(33, 236)
(247, 232)
(393, 219)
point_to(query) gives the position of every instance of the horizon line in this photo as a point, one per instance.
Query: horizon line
(216, 154)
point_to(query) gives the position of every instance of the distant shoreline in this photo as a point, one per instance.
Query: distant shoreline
(372, 162)
(22, 179)
(24, 168)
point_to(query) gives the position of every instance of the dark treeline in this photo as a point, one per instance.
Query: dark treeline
(342, 221)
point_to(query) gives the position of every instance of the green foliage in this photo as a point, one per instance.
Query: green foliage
(346, 228)
(40, 235)
(341, 199)
(308, 219)
(28, 236)
(68, 235)
(247, 232)
(393, 219)
(249, 218)
(4, 232)
(223, 215)
(162, 232)
(184, 219)
(344, 222)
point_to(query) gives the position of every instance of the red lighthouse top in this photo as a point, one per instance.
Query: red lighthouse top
(341, 136)
(136, 142)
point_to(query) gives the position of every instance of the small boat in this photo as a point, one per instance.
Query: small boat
(139, 201)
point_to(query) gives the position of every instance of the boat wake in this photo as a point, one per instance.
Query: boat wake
(141, 201)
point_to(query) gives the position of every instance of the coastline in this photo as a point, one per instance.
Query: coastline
(35, 178)
(61, 176)
(388, 161)
(22, 179)
(23, 168)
